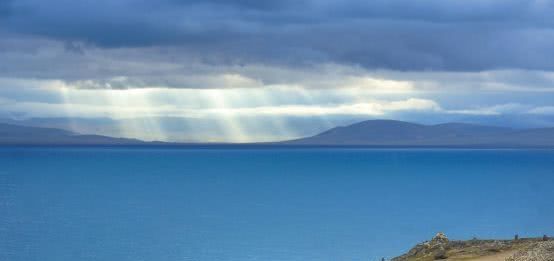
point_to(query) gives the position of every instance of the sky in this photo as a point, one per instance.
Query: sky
(260, 70)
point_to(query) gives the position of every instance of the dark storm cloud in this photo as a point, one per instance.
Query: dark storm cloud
(466, 35)
(248, 4)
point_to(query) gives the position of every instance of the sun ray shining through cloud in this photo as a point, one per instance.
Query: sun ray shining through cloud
(235, 114)
(230, 126)
(141, 110)
(168, 101)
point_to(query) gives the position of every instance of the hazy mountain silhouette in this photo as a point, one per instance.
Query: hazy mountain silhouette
(384, 133)
(399, 133)
(24, 135)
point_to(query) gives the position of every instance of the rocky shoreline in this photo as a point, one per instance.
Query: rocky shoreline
(518, 249)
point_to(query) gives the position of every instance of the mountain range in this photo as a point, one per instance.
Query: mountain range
(377, 133)
(24, 135)
(399, 133)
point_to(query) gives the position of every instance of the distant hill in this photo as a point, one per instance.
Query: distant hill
(24, 135)
(399, 133)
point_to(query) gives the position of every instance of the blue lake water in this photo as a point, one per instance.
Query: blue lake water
(263, 204)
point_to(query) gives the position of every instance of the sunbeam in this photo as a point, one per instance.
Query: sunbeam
(221, 115)
(229, 124)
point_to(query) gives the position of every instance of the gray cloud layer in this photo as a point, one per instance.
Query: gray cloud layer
(450, 35)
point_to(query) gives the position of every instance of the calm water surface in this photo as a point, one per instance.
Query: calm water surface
(263, 204)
